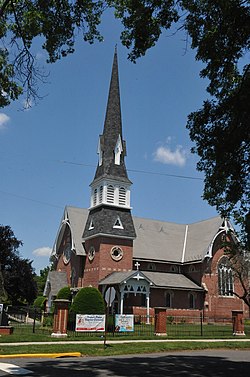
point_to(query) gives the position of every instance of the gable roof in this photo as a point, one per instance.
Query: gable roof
(164, 241)
(55, 281)
(155, 240)
(75, 218)
(157, 280)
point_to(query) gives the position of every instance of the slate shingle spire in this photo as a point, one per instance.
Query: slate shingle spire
(110, 197)
(112, 148)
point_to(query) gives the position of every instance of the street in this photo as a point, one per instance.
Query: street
(206, 363)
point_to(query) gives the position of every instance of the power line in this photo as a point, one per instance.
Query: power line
(138, 171)
(31, 200)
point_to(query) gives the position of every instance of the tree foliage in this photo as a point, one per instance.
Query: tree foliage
(41, 280)
(218, 31)
(17, 282)
(64, 293)
(88, 300)
(40, 302)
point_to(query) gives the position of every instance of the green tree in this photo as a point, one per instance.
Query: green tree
(40, 302)
(41, 280)
(64, 293)
(219, 32)
(88, 300)
(17, 282)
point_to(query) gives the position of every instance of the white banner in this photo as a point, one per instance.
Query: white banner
(124, 322)
(90, 322)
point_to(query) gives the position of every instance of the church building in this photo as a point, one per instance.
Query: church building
(149, 263)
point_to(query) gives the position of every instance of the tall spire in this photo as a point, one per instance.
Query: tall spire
(112, 148)
(110, 211)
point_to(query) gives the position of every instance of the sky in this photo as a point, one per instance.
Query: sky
(49, 151)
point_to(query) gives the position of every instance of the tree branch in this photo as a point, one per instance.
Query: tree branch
(3, 7)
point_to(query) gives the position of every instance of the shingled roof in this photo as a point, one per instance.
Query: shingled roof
(111, 132)
(158, 240)
(157, 280)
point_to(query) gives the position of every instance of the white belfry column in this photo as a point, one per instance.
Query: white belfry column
(148, 317)
(121, 302)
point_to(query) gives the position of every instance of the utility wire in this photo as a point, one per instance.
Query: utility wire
(137, 171)
(31, 200)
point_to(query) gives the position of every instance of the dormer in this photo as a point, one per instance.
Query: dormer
(118, 150)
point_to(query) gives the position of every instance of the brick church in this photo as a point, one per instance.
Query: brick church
(150, 263)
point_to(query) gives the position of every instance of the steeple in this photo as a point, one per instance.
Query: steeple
(110, 190)
(111, 146)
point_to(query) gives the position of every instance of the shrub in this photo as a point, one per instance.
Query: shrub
(88, 301)
(40, 302)
(64, 293)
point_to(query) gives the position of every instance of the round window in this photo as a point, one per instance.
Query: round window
(91, 253)
(116, 253)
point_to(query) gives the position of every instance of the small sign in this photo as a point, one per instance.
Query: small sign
(110, 295)
(124, 322)
(90, 322)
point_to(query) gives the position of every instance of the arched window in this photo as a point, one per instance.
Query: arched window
(95, 197)
(169, 299)
(225, 277)
(122, 196)
(110, 194)
(191, 300)
(173, 268)
(151, 266)
(100, 194)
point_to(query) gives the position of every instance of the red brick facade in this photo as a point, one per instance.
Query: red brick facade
(103, 265)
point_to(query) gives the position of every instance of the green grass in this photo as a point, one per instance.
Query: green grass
(23, 333)
(119, 349)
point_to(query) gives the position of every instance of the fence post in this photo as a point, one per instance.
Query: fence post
(238, 324)
(160, 321)
(201, 323)
(60, 318)
(34, 321)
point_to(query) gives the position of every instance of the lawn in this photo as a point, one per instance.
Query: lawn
(23, 333)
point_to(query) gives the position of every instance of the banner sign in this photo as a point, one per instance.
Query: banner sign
(124, 322)
(90, 322)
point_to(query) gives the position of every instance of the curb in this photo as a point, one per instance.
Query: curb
(41, 355)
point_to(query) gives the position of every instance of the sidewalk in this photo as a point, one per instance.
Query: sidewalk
(108, 342)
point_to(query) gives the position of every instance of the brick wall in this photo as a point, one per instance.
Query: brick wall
(103, 265)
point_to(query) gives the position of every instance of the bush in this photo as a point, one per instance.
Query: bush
(64, 294)
(40, 302)
(88, 301)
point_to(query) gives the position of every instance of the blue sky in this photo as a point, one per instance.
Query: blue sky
(48, 153)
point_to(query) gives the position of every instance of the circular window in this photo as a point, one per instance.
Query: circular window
(91, 253)
(116, 253)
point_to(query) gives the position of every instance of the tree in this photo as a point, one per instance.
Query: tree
(56, 23)
(219, 32)
(17, 282)
(88, 300)
(41, 280)
(64, 293)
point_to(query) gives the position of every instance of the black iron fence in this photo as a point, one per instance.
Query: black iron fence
(31, 320)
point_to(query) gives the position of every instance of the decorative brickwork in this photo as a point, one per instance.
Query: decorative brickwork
(160, 321)
(60, 318)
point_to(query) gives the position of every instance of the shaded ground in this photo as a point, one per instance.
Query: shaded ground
(207, 363)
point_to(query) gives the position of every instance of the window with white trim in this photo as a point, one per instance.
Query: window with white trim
(122, 196)
(95, 197)
(110, 194)
(225, 277)
(118, 223)
(100, 194)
